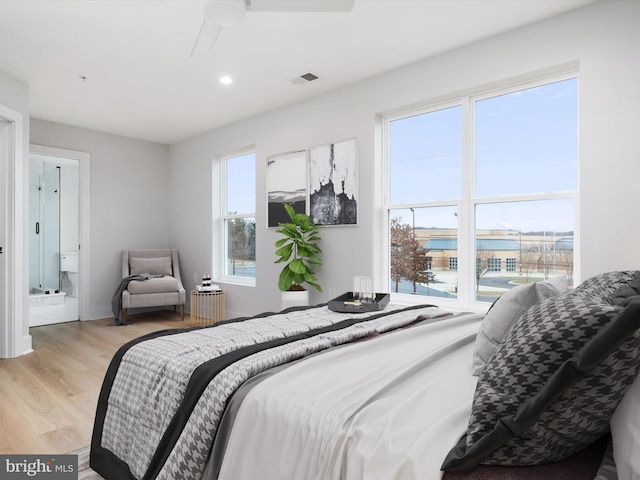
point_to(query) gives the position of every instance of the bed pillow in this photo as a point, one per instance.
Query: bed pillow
(551, 388)
(625, 434)
(506, 310)
(154, 266)
(604, 286)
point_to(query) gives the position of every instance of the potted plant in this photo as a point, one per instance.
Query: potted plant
(299, 249)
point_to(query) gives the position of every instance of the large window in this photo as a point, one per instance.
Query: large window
(238, 218)
(486, 188)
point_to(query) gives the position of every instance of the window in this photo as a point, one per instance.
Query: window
(238, 218)
(453, 263)
(494, 264)
(425, 170)
(417, 253)
(489, 180)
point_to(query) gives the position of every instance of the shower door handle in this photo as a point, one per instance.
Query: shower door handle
(37, 228)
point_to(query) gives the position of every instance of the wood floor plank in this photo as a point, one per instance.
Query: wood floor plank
(48, 398)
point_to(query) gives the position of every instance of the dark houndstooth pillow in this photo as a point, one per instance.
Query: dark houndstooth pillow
(550, 389)
(601, 288)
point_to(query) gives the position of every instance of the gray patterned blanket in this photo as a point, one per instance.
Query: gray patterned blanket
(164, 394)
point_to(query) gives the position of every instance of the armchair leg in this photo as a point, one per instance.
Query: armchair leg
(126, 311)
(182, 312)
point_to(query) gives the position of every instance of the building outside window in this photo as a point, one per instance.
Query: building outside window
(238, 218)
(494, 264)
(481, 182)
(453, 263)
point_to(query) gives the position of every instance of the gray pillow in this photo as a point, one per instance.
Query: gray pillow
(625, 433)
(625, 422)
(551, 388)
(154, 266)
(505, 312)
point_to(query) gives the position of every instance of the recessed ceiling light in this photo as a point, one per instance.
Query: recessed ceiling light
(226, 79)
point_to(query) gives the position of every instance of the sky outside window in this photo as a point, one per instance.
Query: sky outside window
(240, 233)
(526, 141)
(241, 184)
(426, 156)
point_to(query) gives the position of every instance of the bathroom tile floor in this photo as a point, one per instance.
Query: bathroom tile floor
(54, 313)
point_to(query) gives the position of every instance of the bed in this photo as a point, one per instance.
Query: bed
(408, 392)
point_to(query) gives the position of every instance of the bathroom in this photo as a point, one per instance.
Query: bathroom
(53, 239)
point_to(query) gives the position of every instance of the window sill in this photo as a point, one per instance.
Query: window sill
(242, 281)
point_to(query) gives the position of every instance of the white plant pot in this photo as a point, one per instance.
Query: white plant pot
(295, 298)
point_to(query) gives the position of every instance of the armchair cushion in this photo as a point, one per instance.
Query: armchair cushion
(154, 266)
(164, 284)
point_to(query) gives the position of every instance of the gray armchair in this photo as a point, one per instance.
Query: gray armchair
(155, 292)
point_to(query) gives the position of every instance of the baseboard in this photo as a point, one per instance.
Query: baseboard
(98, 313)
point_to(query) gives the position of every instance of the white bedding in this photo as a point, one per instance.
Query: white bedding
(387, 408)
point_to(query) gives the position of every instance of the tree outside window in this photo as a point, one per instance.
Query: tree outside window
(409, 260)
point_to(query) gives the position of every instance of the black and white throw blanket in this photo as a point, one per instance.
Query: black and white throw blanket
(116, 300)
(164, 394)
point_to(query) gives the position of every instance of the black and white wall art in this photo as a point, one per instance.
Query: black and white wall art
(286, 183)
(333, 183)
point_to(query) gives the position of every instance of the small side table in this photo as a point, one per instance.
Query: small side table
(207, 308)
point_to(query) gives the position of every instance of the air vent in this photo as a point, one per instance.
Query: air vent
(306, 78)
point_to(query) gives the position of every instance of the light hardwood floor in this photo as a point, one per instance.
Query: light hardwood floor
(48, 397)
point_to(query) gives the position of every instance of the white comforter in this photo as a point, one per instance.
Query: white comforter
(387, 408)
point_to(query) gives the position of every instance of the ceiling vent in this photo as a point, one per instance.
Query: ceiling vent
(303, 79)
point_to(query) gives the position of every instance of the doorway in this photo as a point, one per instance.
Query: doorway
(53, 239)
(58, 235)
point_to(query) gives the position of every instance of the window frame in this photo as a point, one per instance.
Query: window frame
(225, 217)
(468, 201)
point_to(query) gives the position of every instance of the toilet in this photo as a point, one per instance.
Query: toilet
(69, 271)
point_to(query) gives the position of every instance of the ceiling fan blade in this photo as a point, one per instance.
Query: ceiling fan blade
(299, 5)
(209, 33)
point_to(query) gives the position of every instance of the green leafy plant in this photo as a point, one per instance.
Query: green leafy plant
(300, 249)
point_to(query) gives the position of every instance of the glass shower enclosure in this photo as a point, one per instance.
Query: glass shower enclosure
(44, 227)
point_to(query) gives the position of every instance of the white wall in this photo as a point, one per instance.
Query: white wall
(601, 40)
(129, 199)
(69, 212)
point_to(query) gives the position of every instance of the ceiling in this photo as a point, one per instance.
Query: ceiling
(124, 67)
